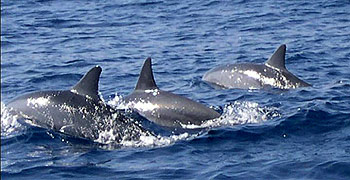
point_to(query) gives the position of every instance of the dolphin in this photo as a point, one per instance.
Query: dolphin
(165, 108)
(78, 112)
(273, 73)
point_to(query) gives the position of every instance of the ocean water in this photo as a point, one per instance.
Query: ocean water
(263, 134)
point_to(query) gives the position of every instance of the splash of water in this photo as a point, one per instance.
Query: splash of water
(146, 139)
(157, 141)
(118, 102)
(245, 112)
(238, 113)
(9, 124)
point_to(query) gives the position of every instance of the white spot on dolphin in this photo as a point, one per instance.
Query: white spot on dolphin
(74, 91)
(142, 105)
(154, 92)
(252, 74)
(41, 101)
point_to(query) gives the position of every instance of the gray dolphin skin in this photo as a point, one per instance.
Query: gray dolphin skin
(272, 73)
(78, 112)
(165, 108)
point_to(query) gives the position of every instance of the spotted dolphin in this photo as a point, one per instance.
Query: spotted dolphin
(273, 73)
(78, 112)
(165, 108)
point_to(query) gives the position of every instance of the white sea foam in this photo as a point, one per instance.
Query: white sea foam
(157, 141)
(9, 123)
(117, 102)
(238, 113)
(109, 137)
(245, 112)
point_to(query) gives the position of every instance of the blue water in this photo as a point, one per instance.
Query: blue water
(290, 134)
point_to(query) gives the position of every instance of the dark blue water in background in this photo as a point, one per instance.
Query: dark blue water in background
(294, 134)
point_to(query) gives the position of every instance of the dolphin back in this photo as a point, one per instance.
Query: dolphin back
(78, 112)
(165, 108)
(271, 74)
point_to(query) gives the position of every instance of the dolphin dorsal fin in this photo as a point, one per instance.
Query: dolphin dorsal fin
(88, 85)
(277, 59)
(146, 79)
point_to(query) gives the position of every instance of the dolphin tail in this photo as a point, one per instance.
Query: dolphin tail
(146, 79)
